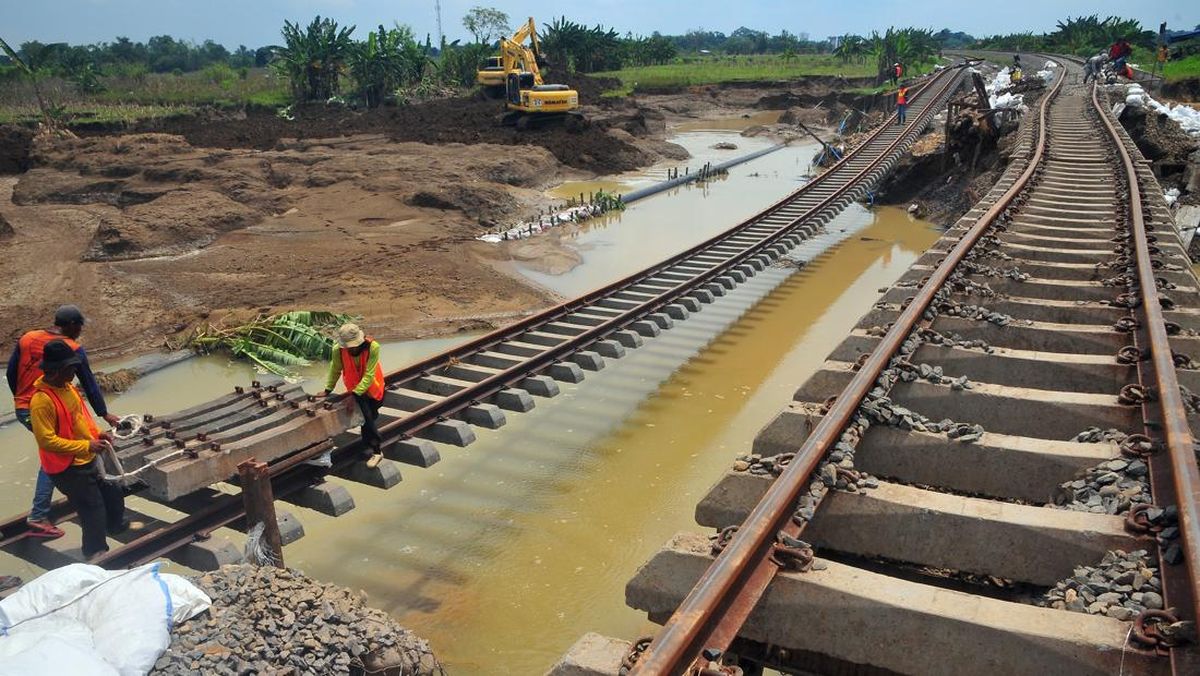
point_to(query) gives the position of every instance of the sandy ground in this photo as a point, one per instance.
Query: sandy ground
(152, 232)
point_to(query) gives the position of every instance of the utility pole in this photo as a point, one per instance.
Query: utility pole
(437, 7)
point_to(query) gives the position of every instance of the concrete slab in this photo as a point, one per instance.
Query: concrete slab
(419, 452)
(487, 416)
(514, 400)
(453, 432)
(540, 386)
(326, 497)
(566, 372)
(609, 348)
(592, 655)
(646, 328)
(385, 475)
(206, 555)
(629, 339)
(588, 361)
(878, 621)
(903, 523)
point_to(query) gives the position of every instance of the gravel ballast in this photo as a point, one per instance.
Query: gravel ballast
(278, 621)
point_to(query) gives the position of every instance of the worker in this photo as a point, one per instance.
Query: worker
(1118, 53)
(356, 359)
(23, 371)
(68, 442)
(897, 72)
(901, 103)
(1091, 69)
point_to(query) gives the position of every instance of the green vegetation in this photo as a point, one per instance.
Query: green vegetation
(275, 343)
(313, 58)
(699, 70)
(1081, 36)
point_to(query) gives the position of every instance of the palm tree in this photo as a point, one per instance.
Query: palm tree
(313, 58)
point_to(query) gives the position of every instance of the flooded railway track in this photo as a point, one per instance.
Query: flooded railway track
(994, 473)
(443, 398)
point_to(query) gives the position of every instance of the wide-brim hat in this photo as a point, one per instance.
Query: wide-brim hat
(349, 335)
(58, 355)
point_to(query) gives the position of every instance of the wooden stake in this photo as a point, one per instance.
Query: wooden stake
(259, 503)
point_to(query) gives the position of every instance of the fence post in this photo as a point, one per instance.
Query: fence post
(259, 503)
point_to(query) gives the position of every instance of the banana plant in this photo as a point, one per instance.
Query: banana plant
(277, 343)
(49, 118)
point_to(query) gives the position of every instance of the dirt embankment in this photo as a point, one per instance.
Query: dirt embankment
(945, 179)
(1172, 153)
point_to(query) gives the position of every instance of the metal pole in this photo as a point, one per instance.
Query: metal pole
(259, 503)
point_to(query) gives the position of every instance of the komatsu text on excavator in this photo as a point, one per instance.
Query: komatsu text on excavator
(516, 73)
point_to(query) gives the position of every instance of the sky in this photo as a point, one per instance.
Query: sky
(256, 23)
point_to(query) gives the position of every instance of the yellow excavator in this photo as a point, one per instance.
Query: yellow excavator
(491, 75)
(527, 99)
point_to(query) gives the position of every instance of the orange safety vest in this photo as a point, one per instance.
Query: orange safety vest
(31, 346)
(353, 369)
(56, 463)
(902, 96)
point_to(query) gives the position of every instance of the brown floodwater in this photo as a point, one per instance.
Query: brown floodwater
(507, 551)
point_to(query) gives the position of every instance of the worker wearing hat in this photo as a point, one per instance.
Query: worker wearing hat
(68, 441)
(24, 368)
(356, 359)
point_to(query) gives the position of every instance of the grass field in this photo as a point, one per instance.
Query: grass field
(700, 70)
(127, 99)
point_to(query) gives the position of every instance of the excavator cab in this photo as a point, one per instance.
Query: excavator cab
(491, 77)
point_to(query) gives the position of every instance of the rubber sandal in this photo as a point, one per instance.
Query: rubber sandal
(45, 531)
(374, 460)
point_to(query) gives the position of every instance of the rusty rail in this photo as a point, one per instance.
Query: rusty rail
(1178, 434)
(714, 611)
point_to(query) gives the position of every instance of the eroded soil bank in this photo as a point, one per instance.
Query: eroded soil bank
(374, 213)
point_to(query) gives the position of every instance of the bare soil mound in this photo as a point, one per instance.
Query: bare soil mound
(1187, 89)
(453, 120)
(15, 143)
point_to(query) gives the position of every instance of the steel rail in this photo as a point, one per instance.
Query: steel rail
(721, 601)
(1180, 443)
(291, 475)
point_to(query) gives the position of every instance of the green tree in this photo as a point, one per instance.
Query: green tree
(486, 24)
(313, 58)
(387, 59)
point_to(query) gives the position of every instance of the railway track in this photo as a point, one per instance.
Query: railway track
(443, 398)
(995, 473)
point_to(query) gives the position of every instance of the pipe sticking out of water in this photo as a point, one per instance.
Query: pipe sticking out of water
(689, 177)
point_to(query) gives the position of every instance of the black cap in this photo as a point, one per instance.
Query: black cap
(68, 314)
(57, 355)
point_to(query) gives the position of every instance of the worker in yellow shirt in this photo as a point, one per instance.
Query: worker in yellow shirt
(356, 360)
(68, 441)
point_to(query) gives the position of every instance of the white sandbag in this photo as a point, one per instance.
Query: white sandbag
(114, 622)
(1135, 100)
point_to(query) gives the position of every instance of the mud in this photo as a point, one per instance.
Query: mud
(1186, 90)
(15, 143)
(467, 120)
(1169, 150)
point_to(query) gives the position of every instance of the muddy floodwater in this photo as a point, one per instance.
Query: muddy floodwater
(505, 552)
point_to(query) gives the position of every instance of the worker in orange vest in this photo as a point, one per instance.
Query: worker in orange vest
(68, 442)
(901, 103)
(23, 371)
(356, 360)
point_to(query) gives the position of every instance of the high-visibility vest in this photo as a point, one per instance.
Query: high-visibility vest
(56, 463)
(902, 96)
(353, 369)
(31, 346)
